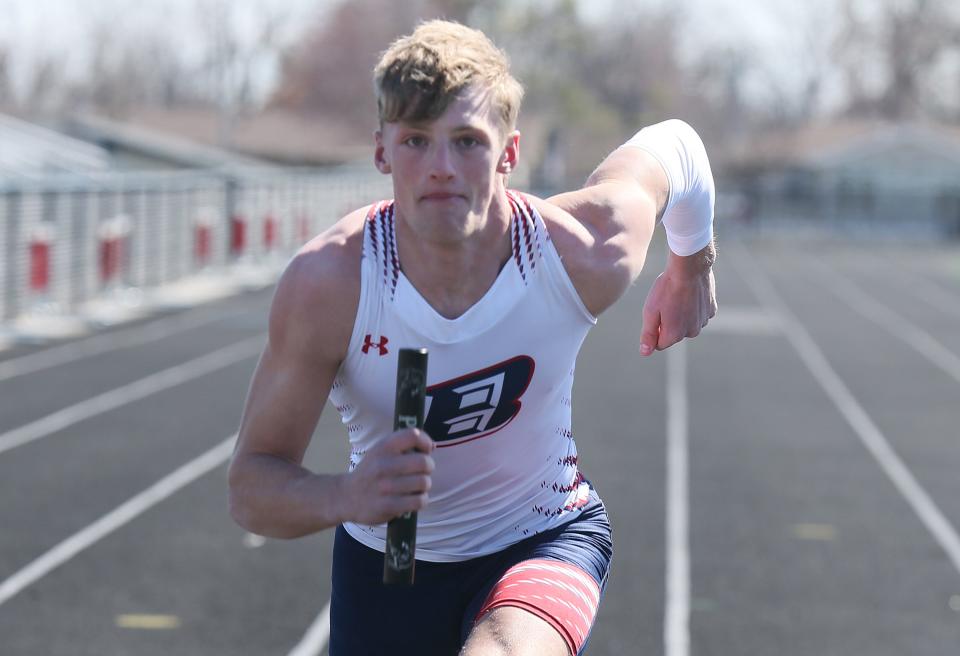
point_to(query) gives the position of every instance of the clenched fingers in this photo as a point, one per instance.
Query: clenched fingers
(408, 439)
(401, 485)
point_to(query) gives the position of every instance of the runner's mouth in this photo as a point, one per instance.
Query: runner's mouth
(441, 196)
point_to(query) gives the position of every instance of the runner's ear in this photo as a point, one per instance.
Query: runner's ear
(379, 154)
(511, 153)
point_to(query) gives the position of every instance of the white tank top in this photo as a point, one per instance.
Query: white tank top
(499, 385)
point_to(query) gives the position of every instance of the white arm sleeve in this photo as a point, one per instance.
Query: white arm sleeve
(688, 216)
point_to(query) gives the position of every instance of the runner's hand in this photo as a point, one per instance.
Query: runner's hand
(681, 301)
(392, 478)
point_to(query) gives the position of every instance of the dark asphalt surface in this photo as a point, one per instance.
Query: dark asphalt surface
(799, 542)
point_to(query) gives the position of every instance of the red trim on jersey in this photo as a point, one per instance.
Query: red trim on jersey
(583, 493)
(393, 247)
(385, 237)
(515, 219)
(559, 593)
(536, 230)
(523, 213)
(526, 239)
(372, 225)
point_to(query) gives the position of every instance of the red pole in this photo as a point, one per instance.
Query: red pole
(238, 234)
(39, 265)
(108, 259)
(113, 235)
(202, 243)
(269, 232)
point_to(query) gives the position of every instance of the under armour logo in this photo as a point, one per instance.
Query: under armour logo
(368, 343)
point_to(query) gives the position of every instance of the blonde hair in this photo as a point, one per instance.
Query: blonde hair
(419, 75)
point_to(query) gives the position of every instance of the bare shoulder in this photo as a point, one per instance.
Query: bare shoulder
(599, 213)
(570, 236)
(316, 299)
(601, 233)
(573, 239)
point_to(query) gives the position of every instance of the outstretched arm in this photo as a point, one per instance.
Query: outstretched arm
(666, 164)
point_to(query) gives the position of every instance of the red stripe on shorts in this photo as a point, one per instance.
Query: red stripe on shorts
(560, 593)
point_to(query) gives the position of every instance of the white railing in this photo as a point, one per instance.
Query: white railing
(68, 241)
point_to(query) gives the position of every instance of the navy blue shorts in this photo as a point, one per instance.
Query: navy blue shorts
(434, 616)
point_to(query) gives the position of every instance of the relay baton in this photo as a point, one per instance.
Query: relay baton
(398, 558)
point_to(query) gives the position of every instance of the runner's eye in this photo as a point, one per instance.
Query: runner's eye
(468, 142)
(415, 141)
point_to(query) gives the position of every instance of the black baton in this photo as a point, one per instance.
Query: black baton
(398, 558)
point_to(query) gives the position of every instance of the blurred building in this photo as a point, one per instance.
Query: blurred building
(279, 137)
(30, 149)
(275, 136)
(89, 145)
(139, 148)
(857, 175)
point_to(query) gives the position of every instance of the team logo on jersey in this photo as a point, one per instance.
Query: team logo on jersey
(368, 344)
(478, 404)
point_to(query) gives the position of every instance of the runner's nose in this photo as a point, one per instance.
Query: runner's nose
(441, 163)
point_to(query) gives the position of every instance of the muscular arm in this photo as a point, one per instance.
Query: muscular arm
(311, 320)
(271, 493)
(620, 205)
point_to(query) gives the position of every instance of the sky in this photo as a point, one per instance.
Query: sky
(776, 30)
(35, 28)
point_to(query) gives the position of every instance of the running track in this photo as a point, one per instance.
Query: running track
(785, 484)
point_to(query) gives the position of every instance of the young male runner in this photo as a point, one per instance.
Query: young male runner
(513, 543)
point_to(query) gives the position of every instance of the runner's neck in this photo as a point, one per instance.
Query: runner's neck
(452, 278)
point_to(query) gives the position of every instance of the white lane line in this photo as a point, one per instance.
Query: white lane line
(677, 616)
(121, 515)
(105, 342)
(890, 320)
(745, 320)
(131, 392)
(875, 442)
(934, 295)
(315, 639)
(929, 291)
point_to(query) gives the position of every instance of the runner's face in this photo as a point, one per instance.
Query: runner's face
(445, 172)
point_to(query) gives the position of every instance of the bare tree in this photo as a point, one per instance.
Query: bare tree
(6, 88)
(130, 61)
(47, 87)
(239, 39)
(329, 71)
(887, 56)
(807, 33)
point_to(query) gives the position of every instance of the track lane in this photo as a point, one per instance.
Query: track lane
(768, 480)
(79, 474)
(913, 402)
(30, 397)
(619, 421)
(136, 334)
(894, 571)
(931, 306)
(184, 558)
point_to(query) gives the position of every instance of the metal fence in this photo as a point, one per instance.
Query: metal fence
(830, 204)
(67, 241)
